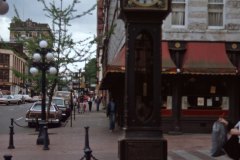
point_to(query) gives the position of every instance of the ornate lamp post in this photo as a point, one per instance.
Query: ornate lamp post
(43, 60)
(3, 7)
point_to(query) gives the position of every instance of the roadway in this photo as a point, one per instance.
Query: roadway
(17, 112)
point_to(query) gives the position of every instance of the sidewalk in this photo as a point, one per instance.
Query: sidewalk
(67, 143)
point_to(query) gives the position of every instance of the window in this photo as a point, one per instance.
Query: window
(215, 13)
(178, 12)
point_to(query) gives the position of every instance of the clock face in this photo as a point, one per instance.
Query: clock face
(145, 3)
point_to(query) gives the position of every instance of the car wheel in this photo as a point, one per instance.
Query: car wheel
(30, 124)
(59, 124)
(8, 103)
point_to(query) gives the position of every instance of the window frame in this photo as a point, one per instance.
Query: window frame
(185, 13)
(223, 11)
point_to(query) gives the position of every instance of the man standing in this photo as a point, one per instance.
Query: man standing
(98, 101)
(111, 113)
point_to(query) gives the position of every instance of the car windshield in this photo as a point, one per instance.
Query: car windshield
(58, 102)
(38, 107)
(5, 96)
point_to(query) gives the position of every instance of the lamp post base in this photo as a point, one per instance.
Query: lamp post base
(143, 149)
(42, 136)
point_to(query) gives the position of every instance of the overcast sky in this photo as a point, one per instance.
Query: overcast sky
(82, 27)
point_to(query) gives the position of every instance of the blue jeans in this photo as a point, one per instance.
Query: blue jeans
(112, 121)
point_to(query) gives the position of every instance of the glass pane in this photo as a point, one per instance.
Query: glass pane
(144, 76)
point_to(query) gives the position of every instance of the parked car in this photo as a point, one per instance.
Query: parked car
(27, 98)
(34, 113)
(62, 105)
(9, 99)
(21, 97)
(64, 94)
(36, 98)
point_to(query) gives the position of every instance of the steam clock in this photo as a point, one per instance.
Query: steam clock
(143, 138)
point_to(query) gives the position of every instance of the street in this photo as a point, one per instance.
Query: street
(17, 112)
(67, 142)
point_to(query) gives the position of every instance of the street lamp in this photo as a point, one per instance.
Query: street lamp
(3, 7)
(43, 60)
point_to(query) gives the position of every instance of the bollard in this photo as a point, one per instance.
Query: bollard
(11, 133)
(46, 138)
(37, 125)
(7, 157)
(87, 150)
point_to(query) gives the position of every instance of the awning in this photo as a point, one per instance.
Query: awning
(207, 58)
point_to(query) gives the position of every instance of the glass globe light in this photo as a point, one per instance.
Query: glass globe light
(36, 57)
(3, 7)
(43, 44)
(49, 56)
(52, 70)
(33, 70)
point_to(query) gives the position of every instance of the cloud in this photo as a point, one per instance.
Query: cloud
(4, 32)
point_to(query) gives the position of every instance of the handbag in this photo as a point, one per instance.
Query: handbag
(232, 147)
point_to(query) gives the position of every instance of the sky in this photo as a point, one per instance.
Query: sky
(80, 28)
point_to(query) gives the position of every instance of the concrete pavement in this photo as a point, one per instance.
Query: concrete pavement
(67, 143)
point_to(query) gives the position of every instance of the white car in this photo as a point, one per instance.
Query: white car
(28, 98)
(9, 99)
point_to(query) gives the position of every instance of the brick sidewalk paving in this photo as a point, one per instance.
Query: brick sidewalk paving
(67, 143)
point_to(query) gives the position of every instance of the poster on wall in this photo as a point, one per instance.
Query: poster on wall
(209, 102)
(200, 101)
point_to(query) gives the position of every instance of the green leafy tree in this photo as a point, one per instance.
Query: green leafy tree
(91, 71)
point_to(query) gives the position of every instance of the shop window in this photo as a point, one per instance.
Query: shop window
(206, 102)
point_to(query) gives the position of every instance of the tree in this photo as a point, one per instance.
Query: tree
(91, 71)
(67, 51)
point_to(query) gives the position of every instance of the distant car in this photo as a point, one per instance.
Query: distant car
(36, 98)
(9, 99)
(35, 111)
(27, 98)
(20, 96)
(62, 105)
(64, 94)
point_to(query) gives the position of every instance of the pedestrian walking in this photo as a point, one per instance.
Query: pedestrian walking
(90, 99)
(98, 102)
(111, 113)
(80, 104)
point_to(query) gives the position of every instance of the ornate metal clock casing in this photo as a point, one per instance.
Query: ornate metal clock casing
(146, 4)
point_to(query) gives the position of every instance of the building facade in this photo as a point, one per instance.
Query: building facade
(22, 30)
(12, 61)
(200, 65)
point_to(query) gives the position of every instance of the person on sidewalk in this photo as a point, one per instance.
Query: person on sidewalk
(232, 146)
(111, 113)
(90, 99)
(98, 102)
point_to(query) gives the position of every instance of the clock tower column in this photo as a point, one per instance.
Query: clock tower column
(143, 138)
